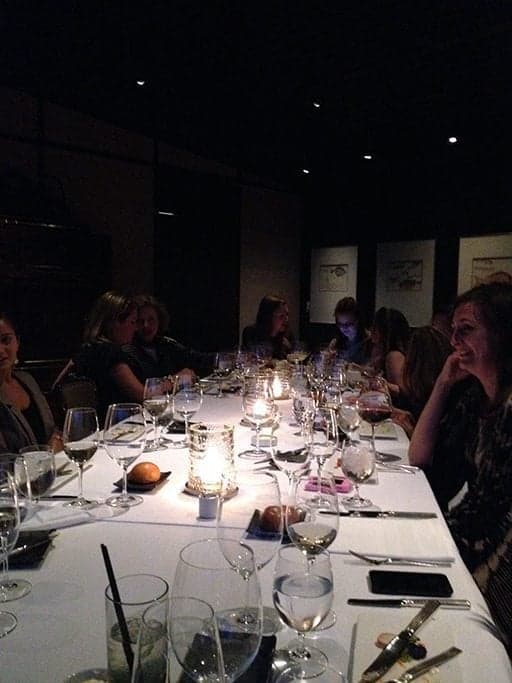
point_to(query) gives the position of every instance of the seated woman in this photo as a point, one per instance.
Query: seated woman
(25, 416)
(426, 354)
(156, 355)
(271, 328)
(390, 334)
(110, 325)
(352, 340)
(464, 435)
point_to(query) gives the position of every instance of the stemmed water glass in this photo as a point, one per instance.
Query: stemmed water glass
(375, 406)
(258, 407)
(324, 440)
(312, 519)
(124, 438)
(80, 437)
(10, 589)
(156, 402)
(348, 417)
(187, 399)
(229, 587)
(195, 639)
(303, 593)
(358, 463)
(254, 518)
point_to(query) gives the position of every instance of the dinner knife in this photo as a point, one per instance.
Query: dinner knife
(394, 649)
(449, 603)
(385, 514)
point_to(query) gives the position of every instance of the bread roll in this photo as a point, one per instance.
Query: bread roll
(144, 473)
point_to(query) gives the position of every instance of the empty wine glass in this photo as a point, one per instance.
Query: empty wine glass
(187, 399)
(34, 471)
(195, 639)
(324, 439)
(303, 593)
(358, 463)
(80, 437)
(156, 402)
(255, 518)
(375, 405)
(258, 407)
(204, 572)
(124, 438)
(299, 352)
(223, 366)
(10, 589)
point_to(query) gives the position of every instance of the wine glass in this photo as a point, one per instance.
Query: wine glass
(10, 589)
(156, 402)
(204, 572)
(304, 410)
(195, 639)
(258, 407)
(358, 463)
(124, 438)
(254, 518)
(223, 366)
(80, 438)
(325, 439)
(299, 352)
(34, 471)
(348, 417)
(187, 399)
(312, 519)
(375, 405)
(291, 462)
(303, 593)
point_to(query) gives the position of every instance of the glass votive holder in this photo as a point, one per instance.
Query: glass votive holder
(211, 460)
(280, 384)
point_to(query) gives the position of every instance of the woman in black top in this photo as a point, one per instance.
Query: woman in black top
(271, 328)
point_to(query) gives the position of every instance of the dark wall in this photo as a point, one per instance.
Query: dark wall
(448, 194)
(197, 256)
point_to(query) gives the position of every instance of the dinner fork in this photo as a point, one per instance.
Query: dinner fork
(400, 561)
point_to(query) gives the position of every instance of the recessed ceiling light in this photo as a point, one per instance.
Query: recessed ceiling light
(305, 171)
(316, 104)
(367, 157)
(166, 213)
(452, 140)
(140, 83)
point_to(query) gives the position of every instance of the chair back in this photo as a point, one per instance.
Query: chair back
(76, 392)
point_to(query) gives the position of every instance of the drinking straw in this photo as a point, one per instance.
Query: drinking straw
(119, 608)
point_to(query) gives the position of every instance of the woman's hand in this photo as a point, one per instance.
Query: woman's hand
(451, 372)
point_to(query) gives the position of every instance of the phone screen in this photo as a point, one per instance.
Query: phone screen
(429, 584)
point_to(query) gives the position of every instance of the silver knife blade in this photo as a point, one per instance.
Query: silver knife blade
(425, 666)
(384, 514)
(391, 653)
(449, 603)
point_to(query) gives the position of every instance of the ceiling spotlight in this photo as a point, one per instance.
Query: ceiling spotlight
(305, 171)
(166, 213)
(452, 140)
(140, 83)
(367, 157)
(316, 104)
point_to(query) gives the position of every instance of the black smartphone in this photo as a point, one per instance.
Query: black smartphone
(429, 584)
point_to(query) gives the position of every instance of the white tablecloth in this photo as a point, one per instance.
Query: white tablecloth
(61, 622)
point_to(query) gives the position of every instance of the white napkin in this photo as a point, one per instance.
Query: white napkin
(58, 516)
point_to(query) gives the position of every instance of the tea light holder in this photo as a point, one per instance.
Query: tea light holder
(211, 463)
(280, 384)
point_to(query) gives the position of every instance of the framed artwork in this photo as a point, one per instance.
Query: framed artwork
(333, 277)
(484, 259)
(405, 279)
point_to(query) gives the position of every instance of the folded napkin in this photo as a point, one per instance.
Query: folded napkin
(342, 486)
(55, 516)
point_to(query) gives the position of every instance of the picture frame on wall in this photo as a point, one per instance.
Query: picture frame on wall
(484, 259)
(333, 277)
(405, 279)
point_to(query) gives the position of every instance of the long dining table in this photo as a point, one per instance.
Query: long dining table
(61, 623)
